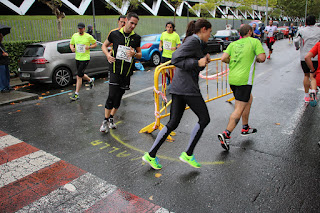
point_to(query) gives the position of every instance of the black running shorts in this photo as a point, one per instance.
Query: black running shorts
(269, 44)
(305, 67)
(241, 93)
(81, 66)
(164, 59)
(120, 80)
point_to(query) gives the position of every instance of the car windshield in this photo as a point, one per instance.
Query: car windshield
(34, 51)
(149, 38)
(223, 33)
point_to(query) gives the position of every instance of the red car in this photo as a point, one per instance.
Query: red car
(284, 30)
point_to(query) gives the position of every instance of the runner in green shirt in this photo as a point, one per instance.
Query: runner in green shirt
(81, 43)
(242, 56)
(169, 42)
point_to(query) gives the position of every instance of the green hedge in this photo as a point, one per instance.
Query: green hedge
(15, 50)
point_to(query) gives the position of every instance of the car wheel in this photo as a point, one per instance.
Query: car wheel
(155, 59)
(221, 47)
(62, 77)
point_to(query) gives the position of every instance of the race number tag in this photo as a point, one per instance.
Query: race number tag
(81, 48)
(167, 45)
(122, 53)
(270, 33)
(290, 31)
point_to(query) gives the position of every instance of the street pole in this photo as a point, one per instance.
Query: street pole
(266, 13)
(305, 14)
(94, 19)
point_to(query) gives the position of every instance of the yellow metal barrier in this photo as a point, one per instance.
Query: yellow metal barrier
(220, 76)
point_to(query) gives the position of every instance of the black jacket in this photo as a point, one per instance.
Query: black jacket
(4, 60)
(186, 75)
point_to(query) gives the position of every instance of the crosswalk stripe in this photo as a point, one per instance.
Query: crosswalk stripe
(26, 190)
(24, 166)
(8, 140)
(15, 151)
(88, 190)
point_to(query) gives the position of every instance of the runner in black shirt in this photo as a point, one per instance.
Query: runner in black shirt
(126, 47)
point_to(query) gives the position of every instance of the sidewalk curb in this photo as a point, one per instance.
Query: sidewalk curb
(16, 96)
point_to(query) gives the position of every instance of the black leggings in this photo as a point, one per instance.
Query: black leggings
(179, 102)
(115, 96)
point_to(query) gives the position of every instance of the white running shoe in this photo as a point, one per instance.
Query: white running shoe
(104, 127)
(112, 125)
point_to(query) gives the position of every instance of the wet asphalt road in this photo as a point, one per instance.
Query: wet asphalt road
(275, 170)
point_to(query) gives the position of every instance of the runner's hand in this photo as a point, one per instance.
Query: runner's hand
(160, 49)
(5, 54)
(131, 52)
(87, 47)
(73, 49)
(110, 59)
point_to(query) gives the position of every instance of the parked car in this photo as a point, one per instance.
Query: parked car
(284, 30)
(150, 49)
(54, 62)
(227, 36)
(214, 45)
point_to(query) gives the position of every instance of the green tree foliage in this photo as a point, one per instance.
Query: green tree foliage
(296, 8)
(175, 4)
(134, 4)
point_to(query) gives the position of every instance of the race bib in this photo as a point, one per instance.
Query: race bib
(167, 45)
(81, 48)
(122, 53)
(290, 31)
(270, 33)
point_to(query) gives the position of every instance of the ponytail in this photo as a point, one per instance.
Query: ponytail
(195, 27)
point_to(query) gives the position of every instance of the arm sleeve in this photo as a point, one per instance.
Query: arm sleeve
(92, 40)
(72, 42)
(110, 37)
(228, 50)
(184, 57)
(315, 49)
(178, 39)
(259, 49)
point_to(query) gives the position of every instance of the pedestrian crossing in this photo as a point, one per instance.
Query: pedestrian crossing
(32, 180)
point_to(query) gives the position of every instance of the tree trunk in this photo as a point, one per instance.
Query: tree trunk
(59, 22)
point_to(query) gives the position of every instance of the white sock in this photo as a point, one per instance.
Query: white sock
(76, 93)
(90, 80)
(312, 91)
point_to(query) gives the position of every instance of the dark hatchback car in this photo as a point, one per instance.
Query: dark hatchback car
(227, 36)
(54, 62)
(214, 45)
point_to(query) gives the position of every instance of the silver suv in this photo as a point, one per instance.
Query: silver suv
(53, 62)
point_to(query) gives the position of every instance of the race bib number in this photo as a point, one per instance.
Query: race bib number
(81, 48)
(167, 45)
(122, 53)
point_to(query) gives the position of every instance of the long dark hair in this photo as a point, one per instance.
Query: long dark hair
(195, 26)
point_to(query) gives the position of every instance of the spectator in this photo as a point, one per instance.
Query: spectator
(4, 68)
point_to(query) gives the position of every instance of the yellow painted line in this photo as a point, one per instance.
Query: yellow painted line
(159, 156)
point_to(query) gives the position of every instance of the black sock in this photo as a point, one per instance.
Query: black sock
(246, 126)
(228, 132)
(105, 119)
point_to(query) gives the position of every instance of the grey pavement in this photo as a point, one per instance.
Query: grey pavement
(16, 96)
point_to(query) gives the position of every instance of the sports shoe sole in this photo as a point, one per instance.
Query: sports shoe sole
(149, 163)
(180, 158)
(223, 142)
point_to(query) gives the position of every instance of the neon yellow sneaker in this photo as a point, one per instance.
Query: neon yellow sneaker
(153, 162)
(189, 160)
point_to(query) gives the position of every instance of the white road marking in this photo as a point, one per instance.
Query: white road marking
(294, 120)
(24, 166)
(8, 140)
(89, 189)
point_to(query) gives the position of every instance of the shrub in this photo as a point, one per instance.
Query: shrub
(15, 50)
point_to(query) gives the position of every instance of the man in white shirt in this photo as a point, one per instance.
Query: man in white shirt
(270, 30)
(306, 38)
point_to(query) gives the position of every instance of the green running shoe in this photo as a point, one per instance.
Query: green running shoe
(153, 162)
(189, 160)
(74, 97)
